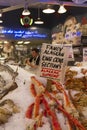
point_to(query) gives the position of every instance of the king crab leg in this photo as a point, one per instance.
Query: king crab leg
(59, 107)
(37, 106)
(40, 88)
(69, 107)
(40, 98)
(55, 123)
(32, 89)
(29, 111)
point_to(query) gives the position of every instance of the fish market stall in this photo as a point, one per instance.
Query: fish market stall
(28, 103)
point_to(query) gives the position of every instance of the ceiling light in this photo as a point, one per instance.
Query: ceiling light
(0, 13)
(1, 21)
(48, 10)
(38, 21)
(26, 11)
(62, 9)
(19, 42)
(33, 28)
(5, 42)
(26, 42)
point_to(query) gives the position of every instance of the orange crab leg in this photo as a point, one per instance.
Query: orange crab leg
(29, 111)
(71, 118)
(36, 106)
(61, 89)
(40, 86)
(67, 103)
(32, 89)
(55, 124)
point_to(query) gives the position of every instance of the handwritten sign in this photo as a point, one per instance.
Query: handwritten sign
(52, 60)
(85, 54)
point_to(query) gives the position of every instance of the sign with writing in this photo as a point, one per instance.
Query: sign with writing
(53, 60)
(37, 33)
(85, 54)
(70, 52)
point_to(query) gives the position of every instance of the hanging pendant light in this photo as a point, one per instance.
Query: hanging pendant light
(62, 9)
(39, 21)
(26, 11)
(1, 21)
(0, 13)
(48, 10)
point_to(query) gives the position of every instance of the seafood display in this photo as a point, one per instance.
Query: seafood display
(50, 104)
(36, 103)
(76, 80)
(14, 83)
(76, 84)
(7, 84)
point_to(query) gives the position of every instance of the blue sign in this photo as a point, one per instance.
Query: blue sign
(24, 34)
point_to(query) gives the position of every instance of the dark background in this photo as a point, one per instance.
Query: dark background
(12, 18)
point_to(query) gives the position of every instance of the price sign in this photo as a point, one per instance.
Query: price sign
(53, 60)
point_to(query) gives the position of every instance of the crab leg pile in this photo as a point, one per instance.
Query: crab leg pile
(48, 105)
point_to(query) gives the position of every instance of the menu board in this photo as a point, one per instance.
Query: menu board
(53, 61)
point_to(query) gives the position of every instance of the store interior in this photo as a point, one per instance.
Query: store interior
(13, 30)
(43, 65)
